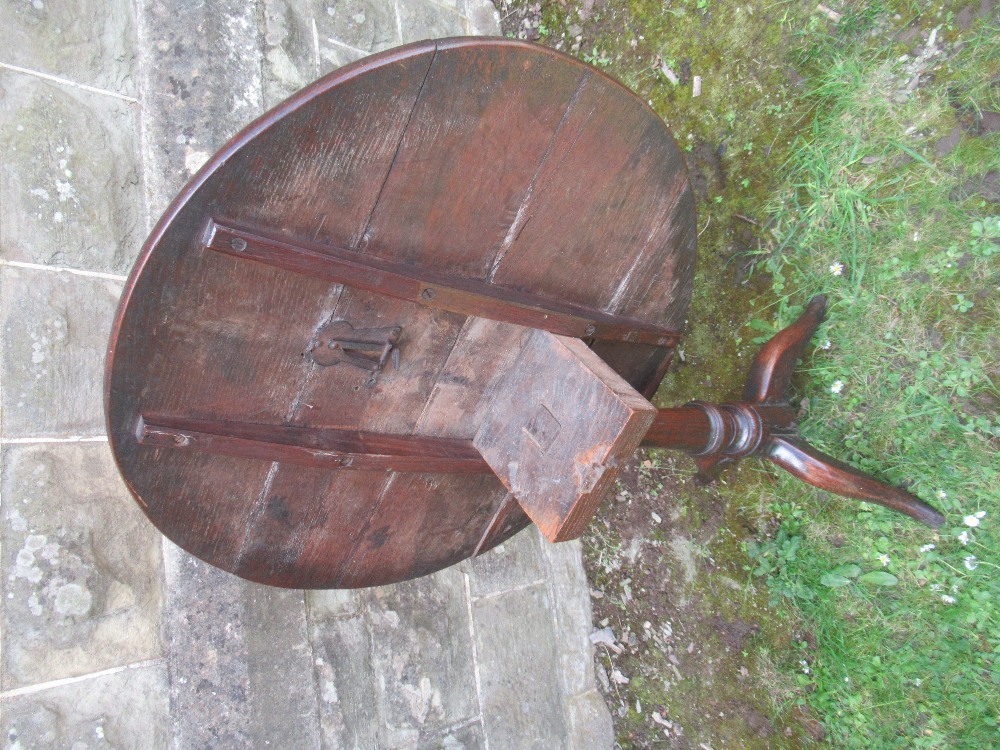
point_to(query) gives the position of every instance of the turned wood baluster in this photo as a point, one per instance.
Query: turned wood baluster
(764, 424)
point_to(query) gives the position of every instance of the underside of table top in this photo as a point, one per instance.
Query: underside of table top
(461, 191)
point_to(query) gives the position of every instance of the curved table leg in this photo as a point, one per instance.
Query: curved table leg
(774, 364)
(800, 459)
(765, 424)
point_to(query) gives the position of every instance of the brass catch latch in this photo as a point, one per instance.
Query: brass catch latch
(367, 348)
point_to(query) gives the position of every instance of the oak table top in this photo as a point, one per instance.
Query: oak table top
(307, 345)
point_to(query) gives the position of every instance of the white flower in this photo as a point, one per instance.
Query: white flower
(927, 548)
(918, 682)
(826, 344)
(974, 519)
(971, 563)
(837, 387)
(884, 559)
(941, 494)
(947, 599)
(936, 587)
(837, 268)
(965, 537)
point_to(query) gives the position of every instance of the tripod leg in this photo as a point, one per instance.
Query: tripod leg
(764, 424)
(775, 362)
(800, 459)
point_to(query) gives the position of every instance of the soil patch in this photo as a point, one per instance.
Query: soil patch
(678, 636)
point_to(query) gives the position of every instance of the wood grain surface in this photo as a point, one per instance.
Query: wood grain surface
(558, 428)
(491, 161)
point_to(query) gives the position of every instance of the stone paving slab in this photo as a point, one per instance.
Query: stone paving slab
(81, 585)
(514, 564)
(570, 612)
(428, 21)
(241, 663)
(391, 671)
(70, 177)
(588, 723)
(55, 333)
(426, 677)
(168, 651)
(122, 709)
(201, 82)
(90, 42)
(345, 687)
(290, 49)
(522, 704)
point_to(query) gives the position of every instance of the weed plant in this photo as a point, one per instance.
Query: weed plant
(898, 624)
(896, 224)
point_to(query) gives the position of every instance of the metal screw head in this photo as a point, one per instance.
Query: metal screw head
(591, 329)
(428, 293)
(238, 244)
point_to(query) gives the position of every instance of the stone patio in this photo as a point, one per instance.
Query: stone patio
(113, 637)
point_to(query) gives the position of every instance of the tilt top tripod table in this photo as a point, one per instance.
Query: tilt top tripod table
(416, 307)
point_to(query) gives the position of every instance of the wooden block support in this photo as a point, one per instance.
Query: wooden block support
(557, 429)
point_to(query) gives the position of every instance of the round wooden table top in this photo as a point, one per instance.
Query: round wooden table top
(425, 198)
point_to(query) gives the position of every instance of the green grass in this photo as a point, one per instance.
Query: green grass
(908, 635)
(900, 641)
